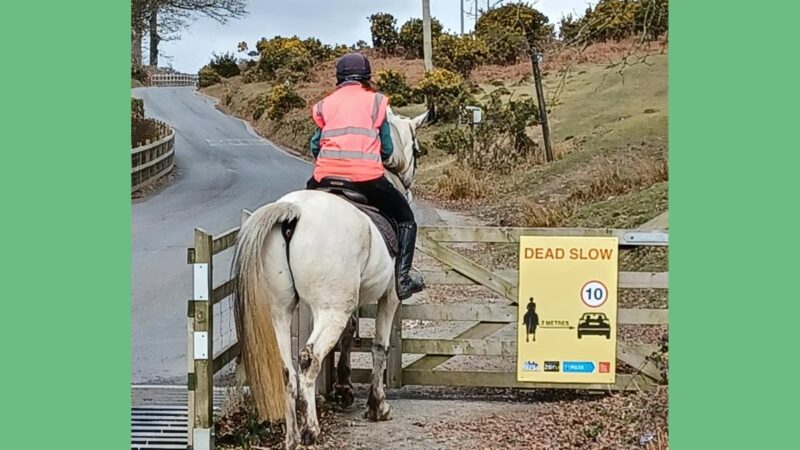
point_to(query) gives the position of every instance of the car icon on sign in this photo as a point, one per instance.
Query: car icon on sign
(594, 323)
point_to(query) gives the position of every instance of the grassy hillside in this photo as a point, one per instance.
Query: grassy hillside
(609, 128)
(610, 135)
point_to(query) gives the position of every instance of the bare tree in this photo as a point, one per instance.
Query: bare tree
(163, 19)
(139, 15)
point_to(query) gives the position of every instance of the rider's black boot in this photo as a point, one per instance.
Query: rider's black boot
(406, 284)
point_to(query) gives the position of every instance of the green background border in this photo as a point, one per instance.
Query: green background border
(66, 223)
(734, 316)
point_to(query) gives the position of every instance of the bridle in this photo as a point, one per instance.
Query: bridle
(414, 146)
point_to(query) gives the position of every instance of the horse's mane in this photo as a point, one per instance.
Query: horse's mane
(398, 163)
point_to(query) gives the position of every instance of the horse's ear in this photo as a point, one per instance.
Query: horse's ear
(420, 120)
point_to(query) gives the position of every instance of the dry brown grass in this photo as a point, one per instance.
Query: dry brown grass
(552, 214)
(460, 183)
(605, 180)
(609, 179)
(557, 59)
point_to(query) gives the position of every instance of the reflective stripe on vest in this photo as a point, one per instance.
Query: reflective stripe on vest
(318, 109)
(375, 105)
(350, 130)
(348, 154)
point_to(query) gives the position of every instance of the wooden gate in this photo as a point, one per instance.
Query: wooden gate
(488, 319)
(205, 360)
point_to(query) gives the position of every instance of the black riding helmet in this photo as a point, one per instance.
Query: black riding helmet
(353, 67)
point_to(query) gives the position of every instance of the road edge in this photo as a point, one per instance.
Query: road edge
(249, 127)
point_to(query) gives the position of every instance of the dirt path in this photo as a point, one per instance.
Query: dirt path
(413, 421)
(480, 419)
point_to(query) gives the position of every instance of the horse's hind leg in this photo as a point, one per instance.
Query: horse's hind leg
(328, 326)
(282, 321)
(377, 408)
(344, 387)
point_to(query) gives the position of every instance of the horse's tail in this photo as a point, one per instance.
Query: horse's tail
(256, 334)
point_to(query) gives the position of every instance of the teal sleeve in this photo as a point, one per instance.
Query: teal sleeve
(315, 142)
(386, 140)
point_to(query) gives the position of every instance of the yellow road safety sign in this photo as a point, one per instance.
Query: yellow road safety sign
(567, 327)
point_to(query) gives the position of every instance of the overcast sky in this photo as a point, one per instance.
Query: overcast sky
(331, 21)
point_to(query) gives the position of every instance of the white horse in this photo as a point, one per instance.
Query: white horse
(318, 248)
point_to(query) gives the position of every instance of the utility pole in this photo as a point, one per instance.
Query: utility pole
(427, 47)
(462, 17)
(537, 80)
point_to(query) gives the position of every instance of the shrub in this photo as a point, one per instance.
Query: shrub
(340, 50)
(411, 37)
(617, 19)
(283, 59)
(451, 140)
(282, 99)
(319, 52)
(459, 53)
(229, 93)
(569, 29)
(611, 20)
(224, 65)
(138, 73)
(144, 130)
(137, 108)
(447, 90)
(359, 45)
(384, 33)
(253, 74)
(511, 29)
(298, 131)
(500, 142)
(651, 18)
(207, 77)
(393, 83)
(503, 137)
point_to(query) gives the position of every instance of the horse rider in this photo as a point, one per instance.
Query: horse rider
(353, 140)
(531, 321)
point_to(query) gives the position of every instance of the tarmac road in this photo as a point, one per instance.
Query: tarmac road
(222, 167)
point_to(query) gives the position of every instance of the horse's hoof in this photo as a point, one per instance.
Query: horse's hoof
(308, 437)
(375, 416)
(344, 393)
(386, 415)
(293, 443)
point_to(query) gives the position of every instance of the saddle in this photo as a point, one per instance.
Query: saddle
(345, 189)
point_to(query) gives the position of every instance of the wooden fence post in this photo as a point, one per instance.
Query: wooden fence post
(201, 349)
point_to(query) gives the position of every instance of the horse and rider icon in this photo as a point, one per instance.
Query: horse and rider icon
(531, 321)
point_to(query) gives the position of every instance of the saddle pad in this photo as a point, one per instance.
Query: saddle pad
(385, 226)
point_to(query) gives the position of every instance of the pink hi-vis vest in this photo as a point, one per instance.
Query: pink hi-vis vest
(350, 145)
